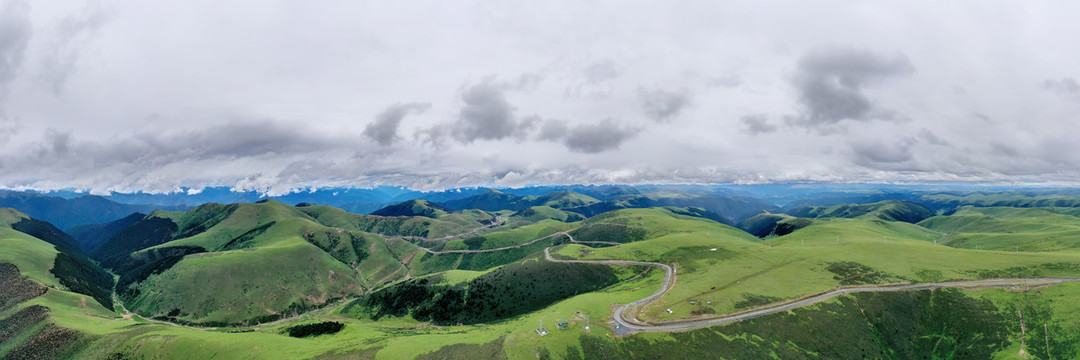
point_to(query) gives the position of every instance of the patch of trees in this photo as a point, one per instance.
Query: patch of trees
(506, 292)
(754, 300)
(82, 276)
(151, 231)
(322, 328)
(853, 273)
(48, 233)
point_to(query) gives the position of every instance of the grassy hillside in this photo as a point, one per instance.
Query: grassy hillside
(731, 208)
(506, 292)
(540, 213)
(805, 261)
(34, 272)
(33, 245)
(16, 220)
(889, 210)
(1009, 228)
(413, 208)
(265, 261)
(997, 199)
(420, 226)
(269, 260)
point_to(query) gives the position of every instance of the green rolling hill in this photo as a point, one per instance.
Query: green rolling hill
(461, 285)
(889, 210)
(1009, 228)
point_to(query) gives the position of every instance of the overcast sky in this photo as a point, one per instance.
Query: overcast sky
(280, 95)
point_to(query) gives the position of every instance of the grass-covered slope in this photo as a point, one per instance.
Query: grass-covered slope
(721, 266)
(1009, 228)
(540, 213)
(505, 292)
(16, 220)
(34, 274)
(889, 210)
(997, 199)
(732, 209)
(264, 261)
(444, 224)
(42, 247)
(413, 208)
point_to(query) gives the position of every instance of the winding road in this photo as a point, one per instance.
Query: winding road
(629, 326)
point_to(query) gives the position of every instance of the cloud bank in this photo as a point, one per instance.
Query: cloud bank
(131, 95)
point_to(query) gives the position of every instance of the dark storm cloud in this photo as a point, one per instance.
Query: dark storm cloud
(601, 71)
(757, 124)
(553, 130)
(15, 33)
(595, 138)
(56, 142)
(487, 115)
(878, 153)
(1065, 87)
(662, 105)
(384, 130)
(830, 84)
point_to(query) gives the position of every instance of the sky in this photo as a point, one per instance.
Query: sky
(277, 96)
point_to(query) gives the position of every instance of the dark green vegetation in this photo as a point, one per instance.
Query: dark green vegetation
(316, 329)
(81, 275)
(90, 236)
(506, 292)
(772, 225)
(148, 231)
(491, 350)
(23, 223)
(942, 324)
(853, 273)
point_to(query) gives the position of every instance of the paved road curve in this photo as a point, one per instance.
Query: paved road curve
(632, 326)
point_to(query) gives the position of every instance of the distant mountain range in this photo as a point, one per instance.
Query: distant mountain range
(732, 203)
(68, 212)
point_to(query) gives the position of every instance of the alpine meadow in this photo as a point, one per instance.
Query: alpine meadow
(550, 180)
